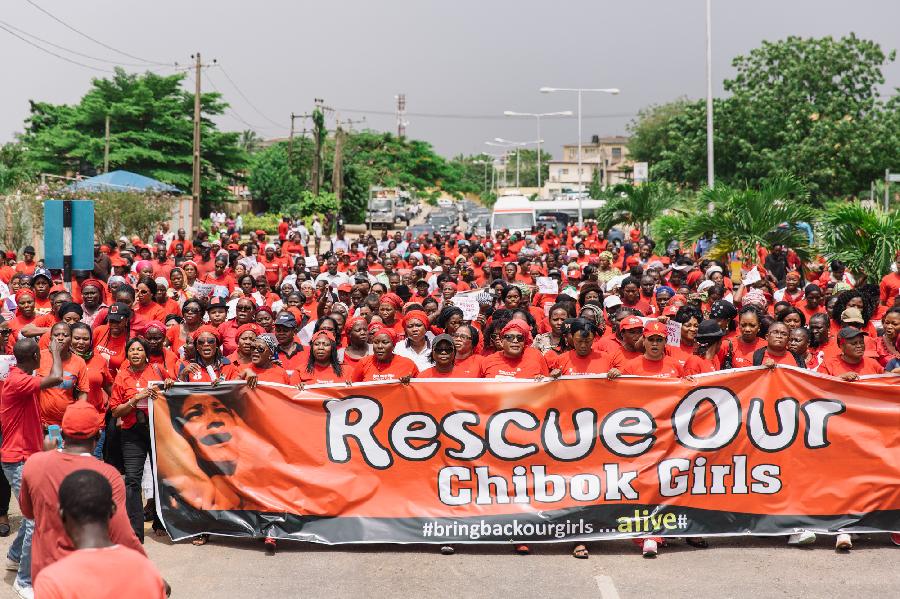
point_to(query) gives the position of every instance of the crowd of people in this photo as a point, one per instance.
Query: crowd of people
(304, 309)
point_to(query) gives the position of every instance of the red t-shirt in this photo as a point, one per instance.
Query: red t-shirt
(98, 376)
(743, 352)
(620, 356)
(273, 374)
(151, 311)
(837, 366)
(111, 348)
(698, 365)
(20, 416)
(371, 369)
(468, 368)
(55, 400)
(39, 500)
(527, 366)
(434, 373)
(889, 287)
(323, 374)
(106, 573)
(668, 367)
(128, 383)
(594, 363)
(787, 359)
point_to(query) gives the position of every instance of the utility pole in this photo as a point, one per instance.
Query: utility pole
(303, 116)
(401, 115)
(319, 132)
(337, 174)
(106, 148)
(710, 161)
(195, 209)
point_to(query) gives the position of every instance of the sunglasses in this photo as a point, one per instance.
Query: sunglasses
(514, 338)
(206, 342)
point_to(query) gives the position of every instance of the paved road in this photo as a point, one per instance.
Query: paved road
(758, 568)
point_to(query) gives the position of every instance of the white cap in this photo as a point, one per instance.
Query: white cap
(611, 301)
(705, 285)
(162, 281)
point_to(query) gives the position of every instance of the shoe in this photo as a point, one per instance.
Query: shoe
(448, 550)
(523, 549)
(649, 548)
(23, 592)
(895, 538)
(270, 546)
(843, 543)
(802, 538)
(12, 565)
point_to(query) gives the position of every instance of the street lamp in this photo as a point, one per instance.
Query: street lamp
(505, 143)
(579, 90)
(538, 115)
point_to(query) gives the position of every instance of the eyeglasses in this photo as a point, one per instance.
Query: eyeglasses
(514, 338)
(191, 311)
(463, 337)
(245, 308)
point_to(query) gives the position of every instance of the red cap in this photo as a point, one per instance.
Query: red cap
(631, 322)
(655, 328)
(574, 273)
(496, 264)
(81, 420)
(670, 311)
(347, 287)
(232, 246)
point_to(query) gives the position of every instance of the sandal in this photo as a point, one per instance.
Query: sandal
(270, 546)
(580, 552)
(200, 540)
(522, 549)
(4, 529)
(698, 542)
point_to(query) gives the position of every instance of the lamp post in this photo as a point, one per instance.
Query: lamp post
(710, 168)
(579, 90)
(537, 116)
(505, 143)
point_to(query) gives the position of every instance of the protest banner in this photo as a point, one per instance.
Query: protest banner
(749, 451)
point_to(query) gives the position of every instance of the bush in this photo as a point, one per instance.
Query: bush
(265, 222)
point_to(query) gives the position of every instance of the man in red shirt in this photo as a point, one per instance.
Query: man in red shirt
(851, 363)
(27, 265)
(97, 568)
(20, 420)
(45, 471)
(273, 265)
(890, 283)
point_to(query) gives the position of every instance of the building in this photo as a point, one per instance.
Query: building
(607, 156)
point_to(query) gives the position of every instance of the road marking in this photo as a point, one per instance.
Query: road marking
(607, 587)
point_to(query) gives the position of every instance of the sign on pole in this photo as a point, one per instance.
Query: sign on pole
(69, 236)
(641, 172)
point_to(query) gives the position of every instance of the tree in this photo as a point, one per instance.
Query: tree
(743, 219)
(638, 205)
(151, 133)
(249, 141)
(14, 168)
(865, 239)
(270, 181)
(805, 107)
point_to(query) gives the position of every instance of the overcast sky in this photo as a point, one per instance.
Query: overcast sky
(467, 57)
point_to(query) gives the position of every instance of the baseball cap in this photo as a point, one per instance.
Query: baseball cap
(655, 329)
(631, 322)
(118, 312)
(611, 301)
(848, 315)
(41, 272)
(850, 332)
(347, 287)
(286, 319)
(217, 302)
(81, 420)
(710, 329)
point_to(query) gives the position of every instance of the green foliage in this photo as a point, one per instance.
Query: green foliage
(528, 166)
(638, 205)
(127, 213)
(310, 204)
(266, 222)
(744, 218)
(806, 107)
(151, 133)
(668, 228)
(270, 181)
(14, 168)
(865, 239)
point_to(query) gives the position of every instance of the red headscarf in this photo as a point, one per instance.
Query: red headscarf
(517, 325)
(383, 330)
(322, 333)
(206, 329)
(23, 292)
(250, 326)
(393, 299)
(415, 315)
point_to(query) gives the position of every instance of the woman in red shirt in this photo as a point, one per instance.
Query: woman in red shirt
(245, 335)
(323, 365)
(110, 338)
(443, 353)
(131, 393)
(263, 366)
(690, 318)
(388, 307)
(99, 378)
(357, 341)
(517, 359)
(747, 340)
(583, 358)
(708, 354)
(466, 360)
(776, 350)
(383, 364)
(25, 313)
(265, 319)
(851, 363)
(219, 276)
(155, 336)
(146, 307)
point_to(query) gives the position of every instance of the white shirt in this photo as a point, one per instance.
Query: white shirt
(317, 228)
(334, 280)
(423, 358)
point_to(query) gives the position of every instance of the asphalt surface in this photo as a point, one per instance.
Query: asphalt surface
(731, 567)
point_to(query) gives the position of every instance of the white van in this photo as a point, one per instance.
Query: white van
(514, 213)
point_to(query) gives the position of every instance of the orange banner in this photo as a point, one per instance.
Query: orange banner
(747, 451)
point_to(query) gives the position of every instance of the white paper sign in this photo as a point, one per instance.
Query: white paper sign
(203, 289)
(673, 333)
(310, 261)
(751, 277)
(6, 362)
(468, 304)
(547, 285)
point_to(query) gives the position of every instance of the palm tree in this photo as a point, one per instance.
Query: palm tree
(865, 239)
(638, 205)
(744, 219)
(249, 141)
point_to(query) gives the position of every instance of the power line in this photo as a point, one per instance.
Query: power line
(64, 49)
(485, 117)
(52, 53)
(243, 95)
(96, 41)
(234, 113)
